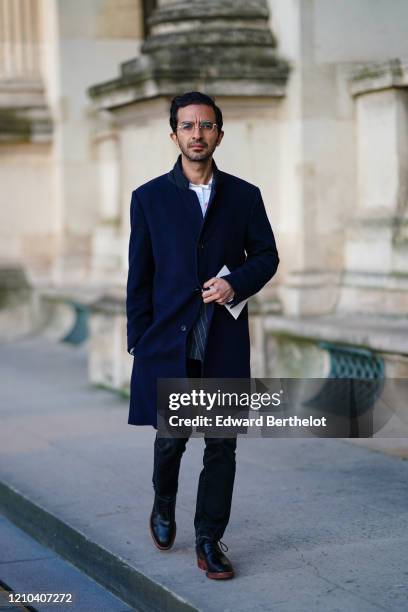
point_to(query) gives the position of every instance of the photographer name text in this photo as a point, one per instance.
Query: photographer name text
(258, 421)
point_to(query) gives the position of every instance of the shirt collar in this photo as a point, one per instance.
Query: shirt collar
(207, 186)
(178, 177)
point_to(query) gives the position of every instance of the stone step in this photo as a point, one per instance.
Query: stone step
(28, 568)
(40, 565)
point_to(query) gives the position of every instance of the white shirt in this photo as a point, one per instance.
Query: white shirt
(203, 192)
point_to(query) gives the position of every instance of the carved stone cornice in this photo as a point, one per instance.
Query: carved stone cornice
(223, 47)
(374, 76)
(24, 114)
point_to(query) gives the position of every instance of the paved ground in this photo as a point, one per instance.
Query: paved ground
(316, 525)
(30, 568)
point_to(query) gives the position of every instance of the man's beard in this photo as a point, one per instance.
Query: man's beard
(202, 156)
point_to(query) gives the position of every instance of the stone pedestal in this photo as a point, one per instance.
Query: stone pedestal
(110, 365)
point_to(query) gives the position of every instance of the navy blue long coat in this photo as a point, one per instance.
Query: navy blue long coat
(172, 252)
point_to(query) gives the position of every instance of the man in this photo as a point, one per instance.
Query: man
(185, 226)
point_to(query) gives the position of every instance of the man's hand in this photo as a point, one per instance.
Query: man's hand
(217, 290)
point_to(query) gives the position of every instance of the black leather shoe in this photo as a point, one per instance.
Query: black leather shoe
(210, 557)
(162, 522)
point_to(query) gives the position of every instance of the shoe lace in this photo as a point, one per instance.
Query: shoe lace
(223, 546)
(214, 543)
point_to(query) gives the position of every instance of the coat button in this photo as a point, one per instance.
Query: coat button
(197, 290)
(183, 328)
(201, 245)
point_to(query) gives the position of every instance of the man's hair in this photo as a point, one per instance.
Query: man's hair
(193, 97)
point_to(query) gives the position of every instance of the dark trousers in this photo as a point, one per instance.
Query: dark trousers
(216, 480)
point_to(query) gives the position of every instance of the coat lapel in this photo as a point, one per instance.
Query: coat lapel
(192, 210)
(190, 201)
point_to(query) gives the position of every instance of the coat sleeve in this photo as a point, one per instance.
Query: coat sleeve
(261, 255)
(139, 289)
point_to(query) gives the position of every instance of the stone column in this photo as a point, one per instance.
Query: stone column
(24, 115)
(27, 239)
(19, 39)
(106, 252)
(376, 256)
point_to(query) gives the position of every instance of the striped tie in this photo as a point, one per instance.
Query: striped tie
(198, 334)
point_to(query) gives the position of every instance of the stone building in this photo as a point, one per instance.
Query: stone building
(315, 102)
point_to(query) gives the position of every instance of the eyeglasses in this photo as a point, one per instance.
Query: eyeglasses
(188, 126)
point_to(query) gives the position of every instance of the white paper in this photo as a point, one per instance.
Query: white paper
(234, 310)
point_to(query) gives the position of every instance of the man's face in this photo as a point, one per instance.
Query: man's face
(198, 144)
